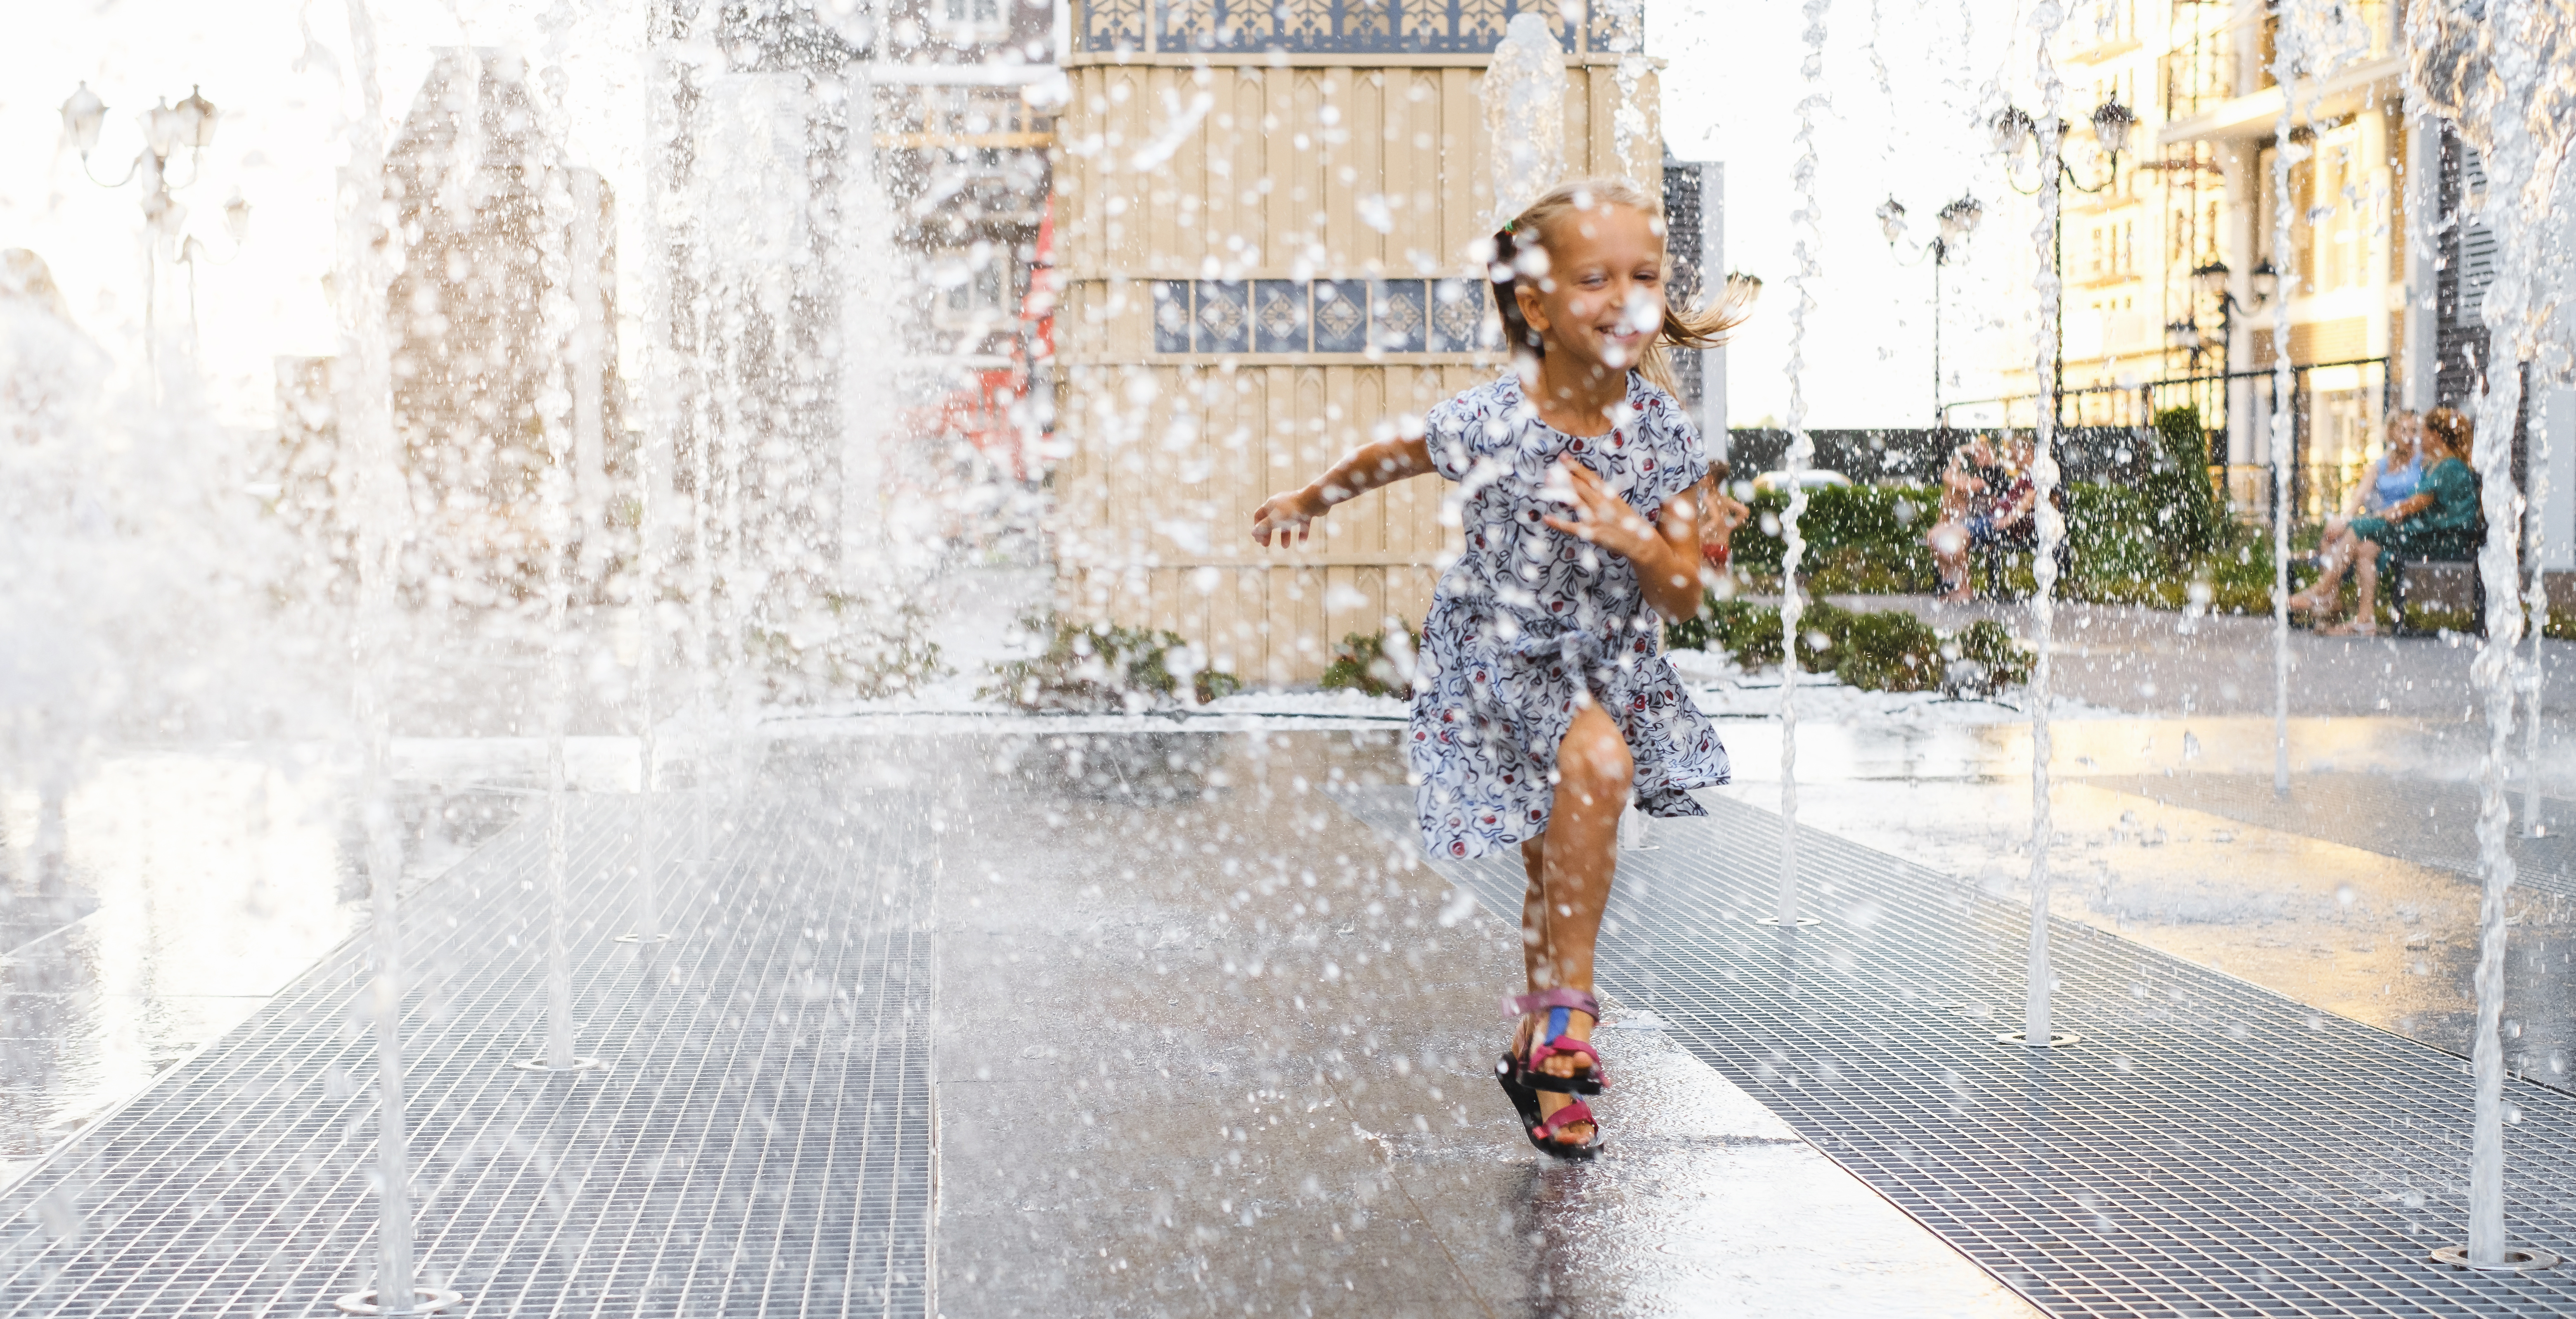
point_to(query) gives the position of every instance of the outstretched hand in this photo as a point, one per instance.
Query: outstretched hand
(1604, 519)
(1288, 517)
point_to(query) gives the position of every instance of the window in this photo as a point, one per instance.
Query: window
(2342, 212)
(973, 20)
(974, 288)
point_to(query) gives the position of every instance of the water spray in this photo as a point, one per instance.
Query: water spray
(1806, 223)
(2044, 22)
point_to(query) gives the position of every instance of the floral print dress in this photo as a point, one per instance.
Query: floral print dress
(1529, 619)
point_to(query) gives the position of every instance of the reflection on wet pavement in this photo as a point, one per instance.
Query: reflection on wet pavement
(2372, 936)
(193, 887)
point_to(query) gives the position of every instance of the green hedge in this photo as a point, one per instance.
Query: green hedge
(1880, 650)
(2130, 544)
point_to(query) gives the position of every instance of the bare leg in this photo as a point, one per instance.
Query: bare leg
(1949, 545)
(2333, 558)
(2365, 575)
(1570, 869)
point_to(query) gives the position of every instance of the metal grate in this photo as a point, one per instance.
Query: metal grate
(2211, 1148)
(759, 1146)
(2431, 823)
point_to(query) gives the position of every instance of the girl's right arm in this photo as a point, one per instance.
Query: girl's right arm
(1380, 462)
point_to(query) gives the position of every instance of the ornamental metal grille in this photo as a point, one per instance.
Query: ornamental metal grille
(1342, 27)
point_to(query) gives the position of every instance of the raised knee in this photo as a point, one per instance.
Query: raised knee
(1597, 767)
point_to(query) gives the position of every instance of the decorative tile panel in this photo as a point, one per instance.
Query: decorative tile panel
(1171, 315)
(1341, 315)
(1399, 318)
(1321, 316)
(1224, 321)
(1458, 308)
(1343, 27)
(1279, 316)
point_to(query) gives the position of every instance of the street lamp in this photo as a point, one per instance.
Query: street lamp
(2210, 281)
(167, 129)
(2014, 130)
(1958, 220)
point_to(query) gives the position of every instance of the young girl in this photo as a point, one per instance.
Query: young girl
(1543, 700)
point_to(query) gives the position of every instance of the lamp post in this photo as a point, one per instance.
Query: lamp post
(1958, 220)
(167, 129)
(2014, 130)
(2211, 281)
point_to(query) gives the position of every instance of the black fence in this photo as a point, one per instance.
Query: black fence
(1915, 454)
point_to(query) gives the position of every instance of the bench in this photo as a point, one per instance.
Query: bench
(2450, 585)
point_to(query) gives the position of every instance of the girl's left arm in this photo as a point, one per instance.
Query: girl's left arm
(1665, 551)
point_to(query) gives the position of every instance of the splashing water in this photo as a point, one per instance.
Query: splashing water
(1806, 223)
(1525, 115)
(365, 407)
(2505, 72)
(2045, 20)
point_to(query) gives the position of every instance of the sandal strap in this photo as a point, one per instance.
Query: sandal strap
(1567, 1116)
(1525, 1004)
(1564, 1046)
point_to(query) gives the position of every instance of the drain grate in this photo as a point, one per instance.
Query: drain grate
(758, 1144)
(2209, 1148)
(2429, 822)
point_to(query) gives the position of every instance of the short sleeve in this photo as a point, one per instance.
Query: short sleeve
(1453, 430)
(1683, 453)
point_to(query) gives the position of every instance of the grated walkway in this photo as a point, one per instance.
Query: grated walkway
(2210, 1148)
(759, 1145)
(2428, 822)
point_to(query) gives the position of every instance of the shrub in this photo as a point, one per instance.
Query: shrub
(1101, 667)
(1889, 651)
(1877, 650)
(851, 647)
(1861, 539)
(2182, 508)
(1987, 659)
(1361, 662)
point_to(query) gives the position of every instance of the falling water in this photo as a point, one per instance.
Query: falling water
(2284, 389)
(2044, 22)
(557, 521)
(1805, 223)
(2502, 71)
(659, 405)
(2536, 607)
(365, 410)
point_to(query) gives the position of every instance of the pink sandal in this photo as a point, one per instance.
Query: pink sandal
(1521, 1079)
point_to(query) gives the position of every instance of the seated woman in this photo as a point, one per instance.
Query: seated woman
(2439, 521)
(1984, 501)
(2389, 481)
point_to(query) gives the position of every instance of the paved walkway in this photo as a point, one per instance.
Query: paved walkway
(1200, 1042)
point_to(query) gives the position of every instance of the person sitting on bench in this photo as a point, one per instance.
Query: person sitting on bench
(2391, 480)
(1985, 501)
(2439, 521)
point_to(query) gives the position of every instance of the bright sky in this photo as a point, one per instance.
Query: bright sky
(1906, 80)
(1730, 92)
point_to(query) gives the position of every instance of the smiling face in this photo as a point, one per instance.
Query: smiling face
(1601, 298)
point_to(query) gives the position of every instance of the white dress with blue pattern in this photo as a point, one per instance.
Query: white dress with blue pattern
(1529, 618)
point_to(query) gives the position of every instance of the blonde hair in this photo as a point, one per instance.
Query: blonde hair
(1698, 327)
